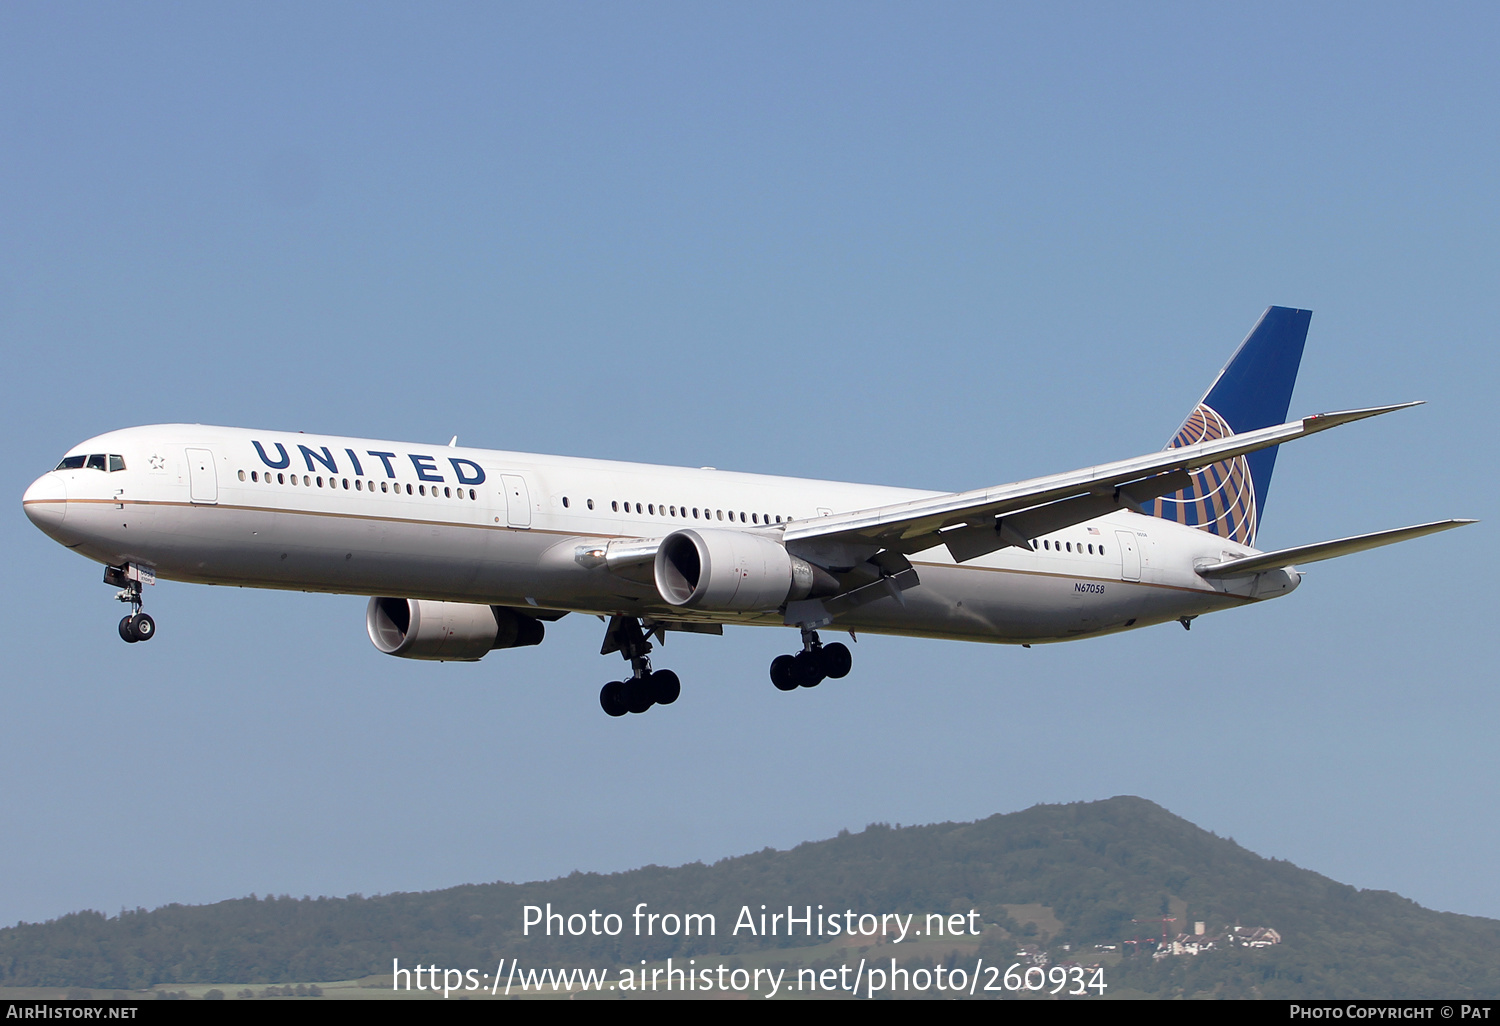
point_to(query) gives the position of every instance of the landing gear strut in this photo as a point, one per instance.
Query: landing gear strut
(137, 626)
(645, 687)
(814, 664)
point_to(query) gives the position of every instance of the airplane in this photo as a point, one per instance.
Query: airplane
(463, 551)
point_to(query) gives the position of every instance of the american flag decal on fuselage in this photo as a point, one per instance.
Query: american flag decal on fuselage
(1221, 499)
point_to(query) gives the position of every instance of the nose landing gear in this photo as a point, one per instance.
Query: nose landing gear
(137, 626)
(814, 664)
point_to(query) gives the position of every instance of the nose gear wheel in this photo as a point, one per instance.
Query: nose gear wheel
(138, 626)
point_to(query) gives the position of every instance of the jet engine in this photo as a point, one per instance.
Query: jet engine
(447, 631)
(734, 571)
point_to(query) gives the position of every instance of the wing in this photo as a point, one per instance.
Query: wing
(977, 522)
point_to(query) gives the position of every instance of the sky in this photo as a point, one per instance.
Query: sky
(937, 246)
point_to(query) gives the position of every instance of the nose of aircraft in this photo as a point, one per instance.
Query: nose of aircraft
(46, 501)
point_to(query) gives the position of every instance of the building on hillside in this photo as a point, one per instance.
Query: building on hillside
(1200, 940)
(1255, 936)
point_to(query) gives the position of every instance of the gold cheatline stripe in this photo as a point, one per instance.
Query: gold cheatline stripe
(575, 534)
(317, 513)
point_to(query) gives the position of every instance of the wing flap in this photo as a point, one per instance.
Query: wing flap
(980, 539)
(820, 612)
(1323, 550)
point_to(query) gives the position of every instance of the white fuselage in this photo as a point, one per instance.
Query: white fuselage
(356, 516)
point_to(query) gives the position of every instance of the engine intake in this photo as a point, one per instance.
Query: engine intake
(446, 631)
(734, 571)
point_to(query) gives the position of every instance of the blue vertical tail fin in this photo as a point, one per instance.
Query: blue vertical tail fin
(1254, 390)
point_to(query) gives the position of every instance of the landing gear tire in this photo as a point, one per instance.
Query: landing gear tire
(612, 698)
(127, 630)
(638, 694)
(644, 687)
(836, 660)
(142, 626)
(807, 669)
(816, 663)
(665, 687)
(782, 673)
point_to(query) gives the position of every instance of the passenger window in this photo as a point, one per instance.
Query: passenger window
(565, 502)
(471, 495)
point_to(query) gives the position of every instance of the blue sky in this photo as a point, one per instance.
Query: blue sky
(931, 246)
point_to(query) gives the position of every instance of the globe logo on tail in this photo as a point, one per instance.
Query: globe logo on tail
(1221, 499)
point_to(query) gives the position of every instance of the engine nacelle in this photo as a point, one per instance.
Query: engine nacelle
(734, 571)
(447, 631)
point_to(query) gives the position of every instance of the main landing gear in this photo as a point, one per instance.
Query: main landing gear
(137, 626)
(645, 687)
(810, 667)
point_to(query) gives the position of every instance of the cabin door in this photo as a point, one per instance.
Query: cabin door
(517, 500)
(1130, 555)
(203, 480)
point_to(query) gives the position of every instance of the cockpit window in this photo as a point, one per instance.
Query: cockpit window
(93, 461)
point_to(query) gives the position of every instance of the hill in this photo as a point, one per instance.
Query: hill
(1066, 881)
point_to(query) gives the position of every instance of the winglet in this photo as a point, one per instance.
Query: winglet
(1324, 421)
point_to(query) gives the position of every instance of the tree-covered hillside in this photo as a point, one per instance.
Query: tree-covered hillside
(1096, 867)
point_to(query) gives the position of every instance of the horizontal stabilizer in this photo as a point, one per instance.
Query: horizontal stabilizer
(1323, 550)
